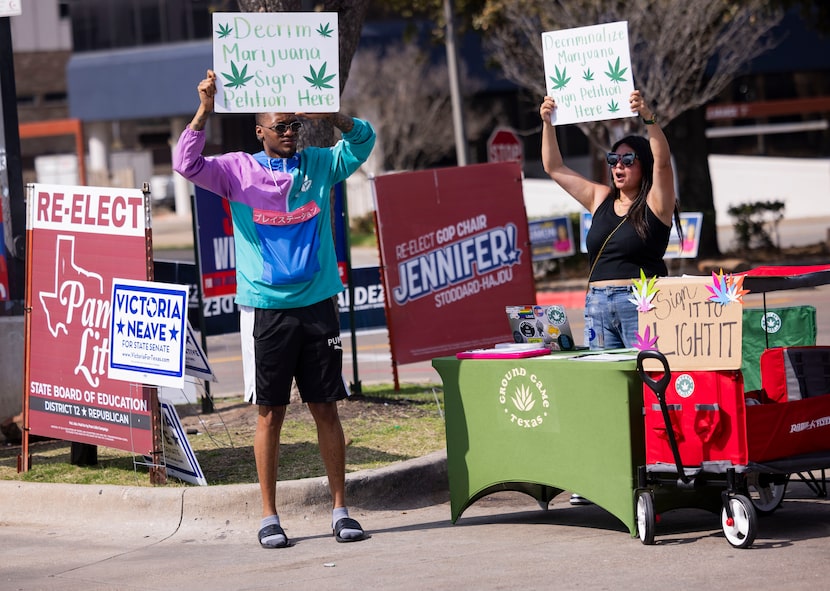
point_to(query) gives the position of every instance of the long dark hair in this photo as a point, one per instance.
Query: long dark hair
(637, 211)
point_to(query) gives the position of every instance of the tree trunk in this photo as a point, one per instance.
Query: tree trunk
(687, 138)
(350, 23)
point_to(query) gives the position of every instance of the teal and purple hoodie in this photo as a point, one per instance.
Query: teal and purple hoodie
(285, 255)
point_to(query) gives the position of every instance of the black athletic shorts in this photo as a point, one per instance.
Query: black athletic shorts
(299, 343)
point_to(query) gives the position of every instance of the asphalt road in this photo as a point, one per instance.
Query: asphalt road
(374, 361)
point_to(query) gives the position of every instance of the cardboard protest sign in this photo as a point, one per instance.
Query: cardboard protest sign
(588, 72)
(276, 62)
(695, 322)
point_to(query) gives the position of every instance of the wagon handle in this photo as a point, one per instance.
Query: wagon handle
(658, 386)
(659, 389)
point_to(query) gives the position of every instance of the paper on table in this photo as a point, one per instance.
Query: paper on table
(601, 355)
(503, 353)
(519, 346)
(607, 357)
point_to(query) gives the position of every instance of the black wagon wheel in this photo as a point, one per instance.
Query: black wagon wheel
(741, 527)
(646, 519)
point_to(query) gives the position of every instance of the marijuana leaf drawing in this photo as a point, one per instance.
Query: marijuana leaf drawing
(646, 342)
(319, 80)
(237, 78)
(727, 289)
(643, 292)
(613, 106)
(561, 79)
(523, 399)
(224, 31)
(614, 73)
(324, 30)
(588, 75)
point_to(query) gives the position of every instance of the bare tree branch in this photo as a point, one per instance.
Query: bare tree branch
(351, 14)
(411, 112)
(683, 54)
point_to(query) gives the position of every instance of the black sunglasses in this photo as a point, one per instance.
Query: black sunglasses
(281, 128)
(612, 158)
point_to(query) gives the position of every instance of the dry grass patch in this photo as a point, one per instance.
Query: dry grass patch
(381, 426)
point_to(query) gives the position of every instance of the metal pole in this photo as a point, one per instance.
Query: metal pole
(455, 91)
(11, 167)
(207, 400)
(356, 386)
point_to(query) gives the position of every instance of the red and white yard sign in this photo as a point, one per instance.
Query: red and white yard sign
(454, 252)
(78, 240)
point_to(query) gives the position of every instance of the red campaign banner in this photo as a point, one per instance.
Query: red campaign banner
(216, 245)
(454, 252)
(79, 239)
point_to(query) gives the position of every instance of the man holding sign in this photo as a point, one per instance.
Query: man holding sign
(286, 278)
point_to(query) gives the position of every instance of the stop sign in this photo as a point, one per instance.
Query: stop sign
(504, 146)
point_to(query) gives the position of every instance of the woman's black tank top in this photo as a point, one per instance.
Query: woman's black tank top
(626, 253)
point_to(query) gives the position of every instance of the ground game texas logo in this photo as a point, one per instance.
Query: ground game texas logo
(523, 398)
(771, 322)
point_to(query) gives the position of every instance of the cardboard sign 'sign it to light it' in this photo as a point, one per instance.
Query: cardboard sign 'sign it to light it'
(588, 72)
(695, 322)
(285, 62)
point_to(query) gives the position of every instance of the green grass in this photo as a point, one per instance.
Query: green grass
(382, 426)
(363, 240)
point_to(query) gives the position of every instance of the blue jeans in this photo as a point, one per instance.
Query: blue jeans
(610, 319)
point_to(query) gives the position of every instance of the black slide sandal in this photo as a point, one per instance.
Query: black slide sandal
(348, 523)
(273, 530)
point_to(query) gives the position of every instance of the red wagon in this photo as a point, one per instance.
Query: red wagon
(711, 445)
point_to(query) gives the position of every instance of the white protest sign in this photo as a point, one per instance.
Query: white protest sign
(148, 328)
(285, 62)
(588, 72)
(11, 8)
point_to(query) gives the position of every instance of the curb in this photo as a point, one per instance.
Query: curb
(409, 484)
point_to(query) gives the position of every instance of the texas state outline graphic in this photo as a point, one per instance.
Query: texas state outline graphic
(70, 289)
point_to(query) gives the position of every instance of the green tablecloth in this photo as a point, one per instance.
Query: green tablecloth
(543, 425)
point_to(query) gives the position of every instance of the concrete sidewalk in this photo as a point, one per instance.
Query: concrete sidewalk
(93, 537)
(404, 484)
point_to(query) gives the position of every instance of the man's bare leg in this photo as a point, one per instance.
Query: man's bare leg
(332, 444)
(267, 454)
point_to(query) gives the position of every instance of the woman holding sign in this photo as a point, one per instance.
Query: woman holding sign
(631, 221)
